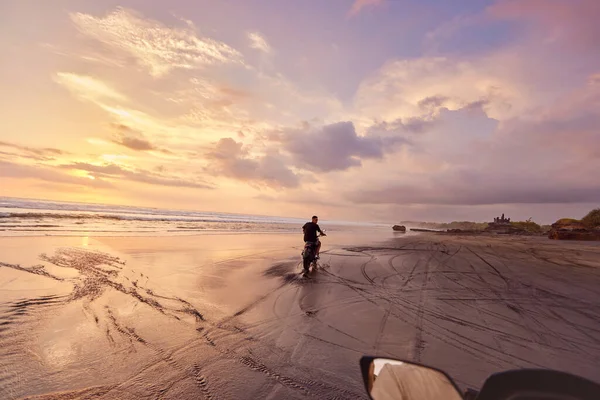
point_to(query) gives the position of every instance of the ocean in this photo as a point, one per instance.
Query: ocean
(29, 217)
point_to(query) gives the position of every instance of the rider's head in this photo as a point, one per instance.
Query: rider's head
(315, 219)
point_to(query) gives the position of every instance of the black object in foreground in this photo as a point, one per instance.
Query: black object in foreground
(388, 379)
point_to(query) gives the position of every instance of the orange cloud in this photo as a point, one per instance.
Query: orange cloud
(87, 87)
(10, 170)
(114, 171)
(155, 46)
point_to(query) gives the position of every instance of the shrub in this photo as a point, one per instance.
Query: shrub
(464, 225)
(528, 226)
(592, 219)
(567, 221)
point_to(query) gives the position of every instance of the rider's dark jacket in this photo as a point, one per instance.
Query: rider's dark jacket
(310, 231)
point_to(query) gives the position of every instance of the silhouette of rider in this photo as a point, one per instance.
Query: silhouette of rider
(310, 230)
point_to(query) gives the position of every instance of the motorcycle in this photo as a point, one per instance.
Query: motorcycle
(388, 379)
(309, 254)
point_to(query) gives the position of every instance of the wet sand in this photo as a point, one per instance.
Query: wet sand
(227, 316)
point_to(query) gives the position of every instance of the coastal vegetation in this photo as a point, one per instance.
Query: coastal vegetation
(586, 228)
(592, 219)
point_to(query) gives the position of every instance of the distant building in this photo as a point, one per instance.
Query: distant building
(500, 221)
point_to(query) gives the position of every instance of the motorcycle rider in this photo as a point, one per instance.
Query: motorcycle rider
(310, 230)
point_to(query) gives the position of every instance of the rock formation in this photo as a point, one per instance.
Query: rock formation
(570, 229)
(399, 228)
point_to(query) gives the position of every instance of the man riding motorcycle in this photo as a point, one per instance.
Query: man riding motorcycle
(310, 230)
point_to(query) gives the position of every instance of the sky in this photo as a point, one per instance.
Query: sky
(367, 110)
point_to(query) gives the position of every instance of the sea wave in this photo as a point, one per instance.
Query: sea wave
(115, 217)
(60, 218)
(80, 210)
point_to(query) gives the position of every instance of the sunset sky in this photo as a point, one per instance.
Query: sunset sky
(371, 110)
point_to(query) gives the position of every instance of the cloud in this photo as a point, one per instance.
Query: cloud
(131, 139)
(257, 41)
(360, 4)
(412, 125)
(134, 143)
(407, 88)
(87, 55)
(115, 171)
(230, 158)
(40, 154)
(432, 102)
(105, 169)
(88, 88)
(155, 46)
(14, 170)
(333, 147)
(468, 158)
(211, 102)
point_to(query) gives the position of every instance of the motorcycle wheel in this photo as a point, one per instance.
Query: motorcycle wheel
(307, 259)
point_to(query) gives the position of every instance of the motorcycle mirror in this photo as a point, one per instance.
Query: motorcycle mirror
(388, 379)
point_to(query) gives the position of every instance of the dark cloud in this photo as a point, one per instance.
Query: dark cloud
(229, 158)
(37, 153)
(106, 169)
(8, 155)
(134, 143)
(134, 140)
(334, 147)
(402, 126)
(477, 105)
(426, 122)
(115, 171)
(433, 102)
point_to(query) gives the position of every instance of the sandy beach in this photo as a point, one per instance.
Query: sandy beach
(227, 316)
